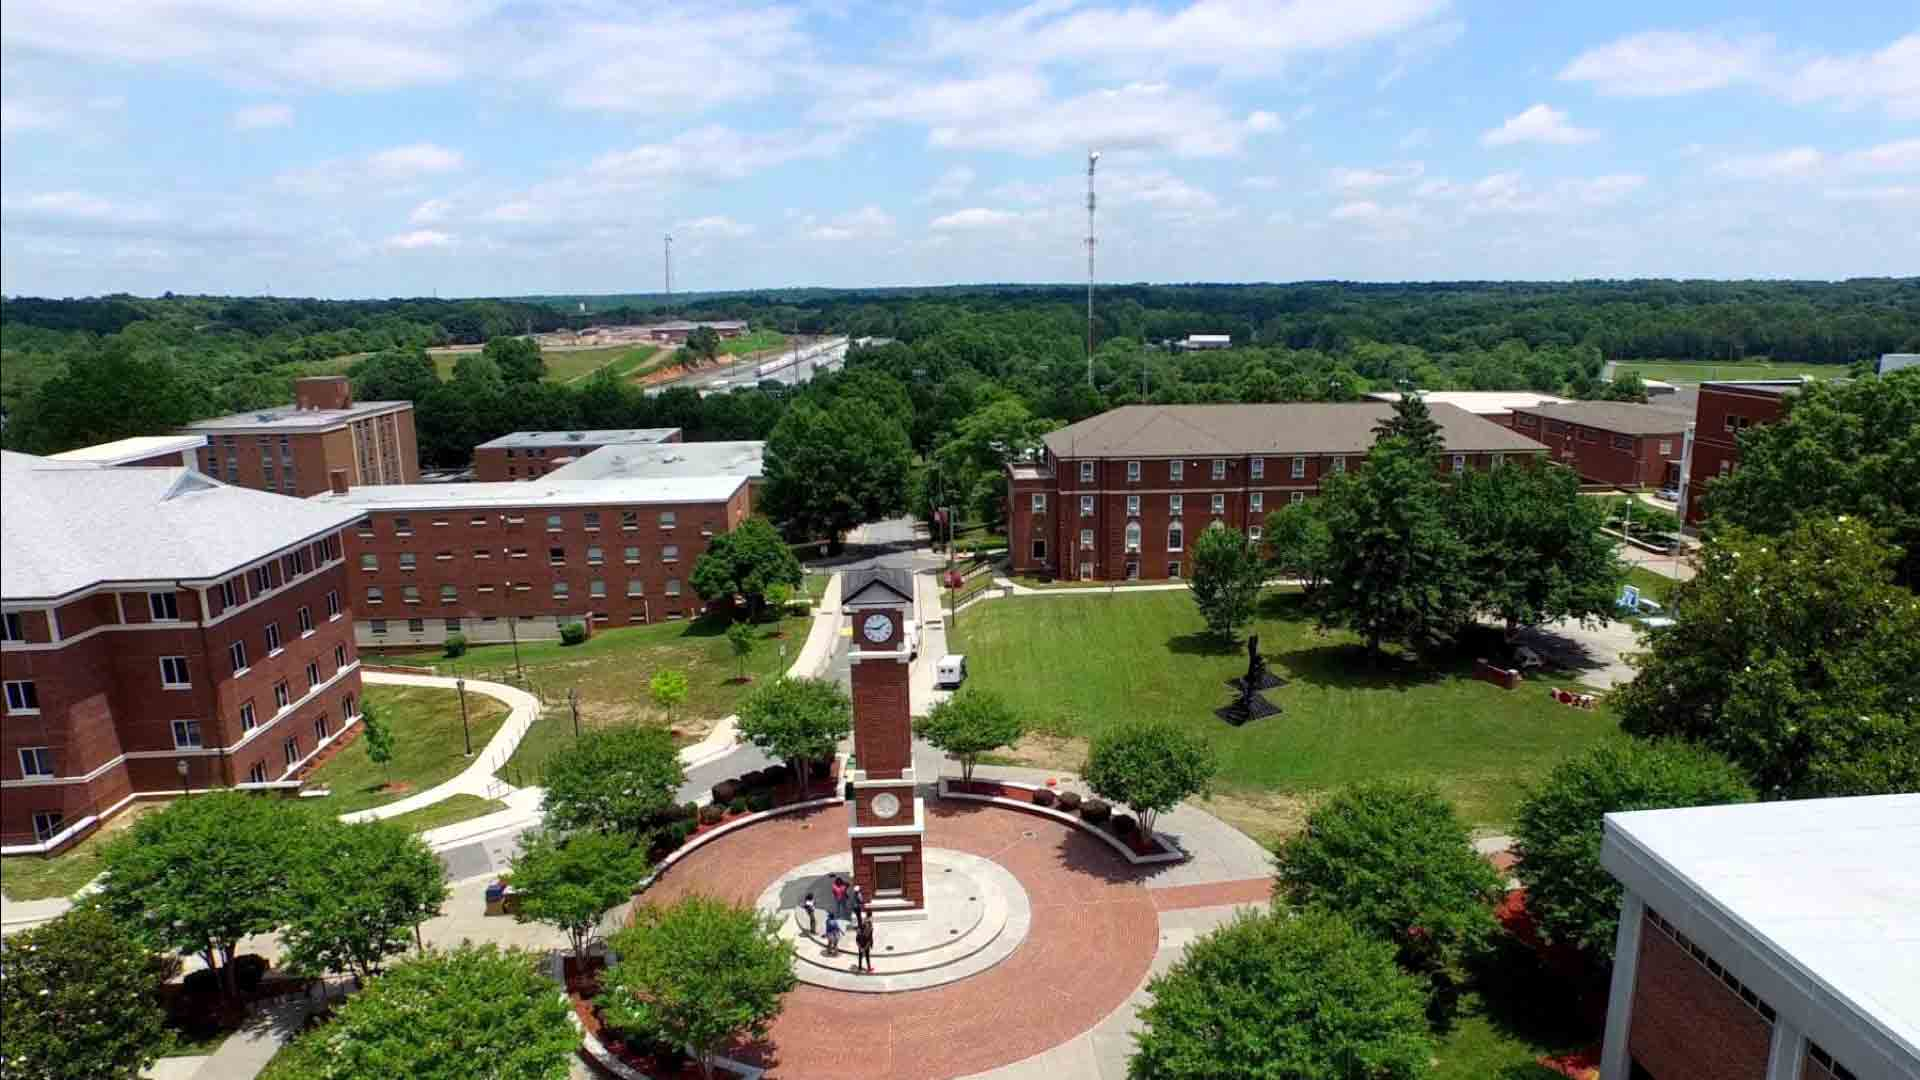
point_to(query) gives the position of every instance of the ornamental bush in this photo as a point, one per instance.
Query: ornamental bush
(573, 633)
(456, 645)
(1572, 899)
(80, 997)
(1149, 766)
(1069, 801)
(1274, 996)
(724, 791)
(1043, 797)
(1397, 861)
(711, 813)
(1095, 812)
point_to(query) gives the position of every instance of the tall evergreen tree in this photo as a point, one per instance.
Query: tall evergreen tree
(1413, 423)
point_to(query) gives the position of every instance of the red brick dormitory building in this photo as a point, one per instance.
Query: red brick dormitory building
(608, 540)
(1610, 442)
(162, 632)
(1766, 941)
(524, 455)
(1121, 495)
(294, 449)
(1723, 411)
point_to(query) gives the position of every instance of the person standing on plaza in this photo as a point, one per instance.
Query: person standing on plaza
(859, 900)
(833, 934)
(806, 905)
(839, 896)
(863, 939)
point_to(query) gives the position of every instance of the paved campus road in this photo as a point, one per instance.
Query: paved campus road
(813, 357)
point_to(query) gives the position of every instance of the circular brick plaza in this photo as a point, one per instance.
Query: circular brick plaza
(1093, 934)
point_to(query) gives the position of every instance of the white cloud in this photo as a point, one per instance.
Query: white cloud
(973, 217)
(18, 116)
(1260, 183)
(1538, 124)
(1664, 63)
(715, 225)
(710, 153)
(1504, 193)
(265, 115)
(1261, 122)
(1415, 139)
(1902, 155)
(1799, 161)
(950, 185)
(1374, 215)
(1603, 190)
(1804, 162)
(670, 61)
(1888, 193)
(430, 211)
(1347, 179)
(867, 222)
(416, 159)
(418, 240)
(393, 166)
(1138, 116)
(78, 206)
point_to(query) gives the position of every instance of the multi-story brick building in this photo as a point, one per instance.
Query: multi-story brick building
(524, 455)
(1121, 495)
(1723, 411)
(1610, 442)
(1767, 941)
(162, 632)
(1495, 406)
(745, 459)
(294, 449)
(506, 560)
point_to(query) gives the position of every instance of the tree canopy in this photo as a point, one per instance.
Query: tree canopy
(572, 881)
(1796, 656)
(1534, 550)
(618, 779)
(796, 720)
(1149, 766)
(1572, 899)
(357, 897)
(970, 723)
(748, 560)
(1279, 997)
(81, 997)
(1298, 544)
(697, 974)
(828, 470)
(1225, 581)
(517, 359)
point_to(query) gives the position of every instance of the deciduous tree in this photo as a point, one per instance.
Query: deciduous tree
(667, 688)
(1570, 896)
(970, 723)
(1284, 997)
(571, 881)
(1534, 549)
(742, 639)
(747, 561)
(1149, 766)
(474, 1010)
(518, 359)
(81, 997)
(377, 734)
(358, 897)
(618, 780)
(1226, 579)
(1298, 544)
(828, 470)
(1796, 656)
(796, 720)
(697, 974)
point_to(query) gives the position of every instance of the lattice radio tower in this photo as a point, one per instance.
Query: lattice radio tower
(1093, 158)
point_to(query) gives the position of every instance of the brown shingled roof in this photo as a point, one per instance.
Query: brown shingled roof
(1619, 417)
(1293, 428)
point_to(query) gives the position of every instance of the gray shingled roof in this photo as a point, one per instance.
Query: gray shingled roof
(875, 580)
(1294, 428)
(71, 525)
(1619, 417)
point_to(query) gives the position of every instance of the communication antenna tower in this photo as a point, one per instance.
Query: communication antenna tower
(1093, 158)
(669, 271)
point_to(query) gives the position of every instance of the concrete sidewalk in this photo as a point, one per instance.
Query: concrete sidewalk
(477, 778)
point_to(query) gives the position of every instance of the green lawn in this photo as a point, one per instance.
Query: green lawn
(1075, 665)
(453, 808)
(567, 365)
(753, 341)
(1753, 367)
(1656, 587)
(428, 747)
(37, 877)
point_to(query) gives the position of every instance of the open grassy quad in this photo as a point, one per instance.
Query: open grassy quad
(428, 747)
(1754, 367)
(753, 341)
(1076, 664)
(565, 365)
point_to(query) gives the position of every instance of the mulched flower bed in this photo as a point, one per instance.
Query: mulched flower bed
(1139, 842)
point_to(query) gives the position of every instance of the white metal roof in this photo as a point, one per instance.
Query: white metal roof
(1479, 402)
(1822, 894)
(502, 495)
(598, 437)
(661, 460)
(280, 418)
(137, 448)
(70, 525)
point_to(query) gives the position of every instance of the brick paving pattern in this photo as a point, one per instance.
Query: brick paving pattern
(1095, 929)
(1213, 894)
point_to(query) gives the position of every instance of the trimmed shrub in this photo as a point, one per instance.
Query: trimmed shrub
(778, 774)
(456, 645)
(1123, 825)
(573, 633)
(1070, 801)
(755, 779)
(690, 811)
(711, 814)
(1095, 811)
(201, 981)
(738, 805)
(248, 970)
(724, 791)
(1043, 797)
(760, 800)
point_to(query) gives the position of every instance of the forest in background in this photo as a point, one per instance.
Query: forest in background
(73, 372)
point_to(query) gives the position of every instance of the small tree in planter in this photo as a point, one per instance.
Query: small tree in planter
(697, 974)
(616, 780)
(797, 721)
(1149, 766)
(742, 640)
(970, 723)
(668, 688)
(377, 734)
(570, 882)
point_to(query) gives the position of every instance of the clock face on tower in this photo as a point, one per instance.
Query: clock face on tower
(878, 628)
(886, 804)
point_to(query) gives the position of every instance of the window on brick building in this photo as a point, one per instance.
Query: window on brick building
(228, 594)
(1086, 571)
(1176, 537)
(410, 594)
(1173, 570)
(595, 556)
(1086, 506)
(282, 696)
(10, 628)
(348, 707)
(449, 594)
(553, 522)
(173, 673)
(629, 519)
(1298, 470)
(257, 774)
(237, 656)
(1666, 447)
(559, 590)
(290, 750)
(670, 553)
(164, 605)
(1176, 469)
(1133, 536)
(556, 556)
(1256, 502)
(1176, 504)
(1623, 442)
(1039, 550)
(1219, 504)
(403, 526)
(673, 586)
(1254, 531)
(376, 626)
(1039, 503)
(339, 657)
(273, 638)
(416, 626)
(1295, 498)
(1219, 468)
(1133, 470)
(1133, 506)
(1495, 461)
(1459, 463)
(1257, 468)
(36, 761)
(46, 824)
(247, 719)
(408, 561)
(305, 618)
(592, 518)
(636, 587)
(320, 728)
(1133, 569)
(1340, 464)
(669, 519)
(597, 588)
(1086, 472)
(186, 735)
(313, 674)
(1086, 538)
(369, 561)
(375, 594)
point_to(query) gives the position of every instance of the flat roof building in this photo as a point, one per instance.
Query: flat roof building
(155, 450)
(1769, 941)
(1494, 405)
(1894, 361)
(163, 631)
(1206, 341)
(1117, 496)
(524, 455)
(293, 449)
(1611, 442)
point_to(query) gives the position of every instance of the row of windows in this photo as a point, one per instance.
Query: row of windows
(37, 762)
(450, 594)
(1132, 569)
(1176, 536)
(1176, 504)
(556, 556)
(378, 627)
(237, 648)
(1177, 469)
(590, 520)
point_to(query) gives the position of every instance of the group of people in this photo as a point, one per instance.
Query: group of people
(848, 901)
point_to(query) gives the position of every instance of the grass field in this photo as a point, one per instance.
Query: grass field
(35, 877)
(567, 365)
(1656, 587)
(1074, 665)
(448, 811)
(428, 747)
(753, 341)
(1695, 371)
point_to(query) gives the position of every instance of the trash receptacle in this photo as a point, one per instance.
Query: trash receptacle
(497, 898)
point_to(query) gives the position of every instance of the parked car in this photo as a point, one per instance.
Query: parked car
(1668, 494)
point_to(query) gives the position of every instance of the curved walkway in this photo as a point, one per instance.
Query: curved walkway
(477, 778)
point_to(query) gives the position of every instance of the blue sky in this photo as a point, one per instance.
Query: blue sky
(377, 148)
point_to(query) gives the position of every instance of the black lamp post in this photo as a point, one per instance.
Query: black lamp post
(461, 685)
(180, 766)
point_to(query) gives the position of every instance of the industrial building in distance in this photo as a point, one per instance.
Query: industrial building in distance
(294, 449)
(163, 632)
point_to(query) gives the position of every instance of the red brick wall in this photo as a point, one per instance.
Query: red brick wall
(1592, 453)
(1714, 444)
(914, 880)
(882, 717)
(492, 463)
(1687, 1023)
(322, 392)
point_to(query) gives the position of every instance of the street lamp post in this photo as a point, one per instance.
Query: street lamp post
(180, 766)
(460, 684)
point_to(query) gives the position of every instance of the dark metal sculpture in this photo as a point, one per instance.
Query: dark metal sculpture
(1249, 705)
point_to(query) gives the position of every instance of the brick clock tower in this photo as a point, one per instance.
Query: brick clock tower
(888, 820)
